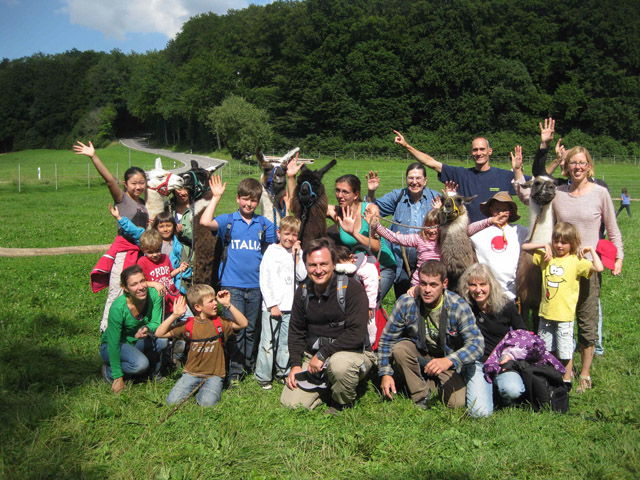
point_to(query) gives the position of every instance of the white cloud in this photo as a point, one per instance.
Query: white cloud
(117, 18)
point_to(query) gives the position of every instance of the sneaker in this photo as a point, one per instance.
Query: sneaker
(266, 386)
(105, 377)
(584, 385)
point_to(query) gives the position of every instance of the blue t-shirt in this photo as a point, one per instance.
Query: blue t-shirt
(483, 184)
(244, 253)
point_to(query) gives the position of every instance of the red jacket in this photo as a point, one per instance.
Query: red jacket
(102, 271)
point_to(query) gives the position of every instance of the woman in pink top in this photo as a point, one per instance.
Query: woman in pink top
(585, 205)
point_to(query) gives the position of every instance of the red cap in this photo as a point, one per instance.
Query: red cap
(607, 252)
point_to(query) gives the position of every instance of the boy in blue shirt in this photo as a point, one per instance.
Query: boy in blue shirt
(245, 236)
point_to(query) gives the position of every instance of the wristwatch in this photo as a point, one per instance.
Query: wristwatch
(320, 357)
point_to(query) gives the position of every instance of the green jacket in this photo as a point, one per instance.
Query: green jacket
(123, 326)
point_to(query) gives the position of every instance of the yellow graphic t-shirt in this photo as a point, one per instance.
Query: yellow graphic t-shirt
(560, 285)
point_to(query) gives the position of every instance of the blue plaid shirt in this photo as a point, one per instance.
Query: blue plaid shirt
(464, 343)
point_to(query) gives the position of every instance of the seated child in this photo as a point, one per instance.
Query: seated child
(281, 270)
(369, 276)
(205, 335)
(157, 268)
(562, 268)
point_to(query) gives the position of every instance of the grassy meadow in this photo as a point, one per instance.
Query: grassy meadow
(60, 420)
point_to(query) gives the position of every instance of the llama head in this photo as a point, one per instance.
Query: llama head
(196, 180)
(274, 172)
(453, 207)
(163, 181)
(309, 185)
(543, 189)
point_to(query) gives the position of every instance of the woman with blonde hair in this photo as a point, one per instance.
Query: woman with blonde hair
(495, 316)
(586, 205)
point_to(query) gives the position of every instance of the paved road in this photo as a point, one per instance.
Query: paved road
(140, 143)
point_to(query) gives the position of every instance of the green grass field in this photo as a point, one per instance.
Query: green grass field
(60, 420)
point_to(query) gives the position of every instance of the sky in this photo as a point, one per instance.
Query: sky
(55, 26)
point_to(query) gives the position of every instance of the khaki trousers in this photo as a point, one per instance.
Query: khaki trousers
(449, 384)
(345, 371)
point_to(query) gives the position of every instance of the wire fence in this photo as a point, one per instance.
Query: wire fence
(15, 176)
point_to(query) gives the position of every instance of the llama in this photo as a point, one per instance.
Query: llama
(204, 246)
(274, 183)
(160, 183)
(309, 203)
(456, 249)
(528, 280)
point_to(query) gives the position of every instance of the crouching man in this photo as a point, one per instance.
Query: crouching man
(327, 334)
(427, 340)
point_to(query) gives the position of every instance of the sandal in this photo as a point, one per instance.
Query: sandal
(584, 385)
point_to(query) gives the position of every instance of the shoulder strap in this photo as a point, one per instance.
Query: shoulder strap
(188, 330)
(225, 248)
(341, 291)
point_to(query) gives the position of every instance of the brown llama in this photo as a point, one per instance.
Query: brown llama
(456, 249)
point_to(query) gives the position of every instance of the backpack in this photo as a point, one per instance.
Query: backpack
(544, 386)
(188, 331)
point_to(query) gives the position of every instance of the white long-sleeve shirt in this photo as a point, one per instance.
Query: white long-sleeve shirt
(277, 277)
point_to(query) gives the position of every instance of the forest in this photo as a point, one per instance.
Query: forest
(342, 74)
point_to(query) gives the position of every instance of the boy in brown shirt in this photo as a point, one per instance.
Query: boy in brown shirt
(205, 335)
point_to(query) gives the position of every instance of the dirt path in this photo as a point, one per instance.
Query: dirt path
(140, 143)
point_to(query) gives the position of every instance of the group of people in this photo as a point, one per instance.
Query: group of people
(308, 319)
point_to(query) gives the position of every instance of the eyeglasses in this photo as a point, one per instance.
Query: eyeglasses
(415, 179)
(343, 192)
(578, 164)
(431, 230)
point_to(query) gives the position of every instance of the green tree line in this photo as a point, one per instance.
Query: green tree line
(336, 74)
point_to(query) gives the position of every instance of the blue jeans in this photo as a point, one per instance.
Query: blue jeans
(241, 347)
(480, 398)
(387, 277)
(142, 357)
(264, 364)
(208, 395)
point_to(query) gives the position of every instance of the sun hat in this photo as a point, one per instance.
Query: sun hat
(501, 197)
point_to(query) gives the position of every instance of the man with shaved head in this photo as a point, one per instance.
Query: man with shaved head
(482, 179)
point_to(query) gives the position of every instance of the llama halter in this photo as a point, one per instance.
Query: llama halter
(163, 188)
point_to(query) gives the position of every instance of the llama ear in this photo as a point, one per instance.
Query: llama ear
(326, 168)
(158, 163)
(194, 164)
(527, 184)
(468, 200)
(260, 157)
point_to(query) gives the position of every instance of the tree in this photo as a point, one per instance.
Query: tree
(241, 126)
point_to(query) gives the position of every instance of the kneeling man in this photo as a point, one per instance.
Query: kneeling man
(429, 338)
(325, 335)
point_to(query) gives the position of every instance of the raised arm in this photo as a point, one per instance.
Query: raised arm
(217, 190)
(292, 170)
(237, 317)
(423, 158)
(373, 182)
(89, 151)
(516, 162)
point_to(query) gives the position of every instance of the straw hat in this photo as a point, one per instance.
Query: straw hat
(501, 197)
